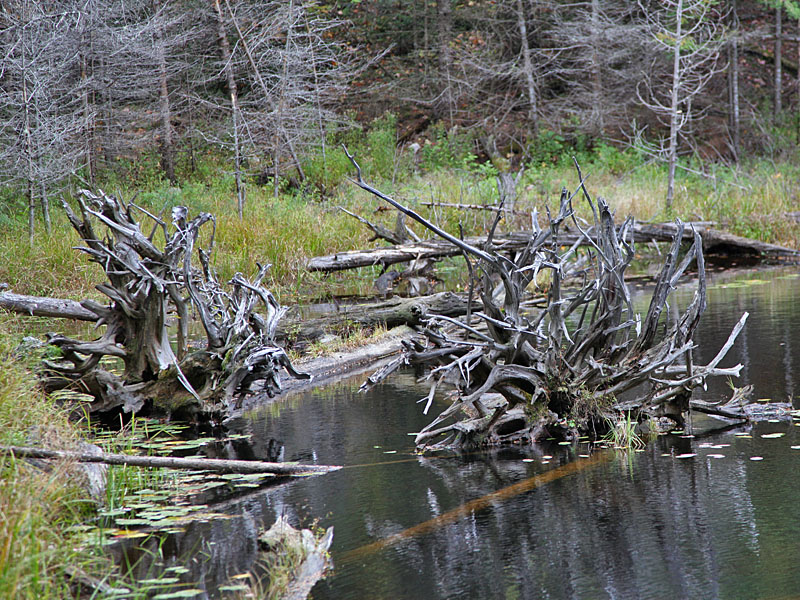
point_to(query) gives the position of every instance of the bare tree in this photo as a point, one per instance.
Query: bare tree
(777, 104)
(689, 32)
(602, 59)
(733, 82)
(289, 71)
(38, 106)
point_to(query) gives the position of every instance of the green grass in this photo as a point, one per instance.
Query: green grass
(37, 507)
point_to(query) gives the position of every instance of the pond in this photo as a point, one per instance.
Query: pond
(558, 521)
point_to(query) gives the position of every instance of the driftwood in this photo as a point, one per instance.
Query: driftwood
(147, 283)
(173, 462)
(586, 360)
(489, 207)
(389, 313)
(714, 241)
(741, 407)
(307, 556)
(39, 306)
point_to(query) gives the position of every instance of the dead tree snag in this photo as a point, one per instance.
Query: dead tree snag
(148, 285)
(578, 364)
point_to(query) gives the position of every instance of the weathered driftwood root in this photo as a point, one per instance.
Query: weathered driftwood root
(147, 283)
(173, 462)
(303, 554)
(579, 363)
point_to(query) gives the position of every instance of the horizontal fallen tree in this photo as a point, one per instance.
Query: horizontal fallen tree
(173, 462)
(149, 283)
(585, 361)
(714, 241)
(389, 313)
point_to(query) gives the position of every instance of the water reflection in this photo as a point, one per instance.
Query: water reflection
(642, 525)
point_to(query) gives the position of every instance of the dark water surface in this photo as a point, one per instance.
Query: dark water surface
(583, 524)
(643, 525)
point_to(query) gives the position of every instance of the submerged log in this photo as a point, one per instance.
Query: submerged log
(714, 241)
(567, 366)
(174, 462)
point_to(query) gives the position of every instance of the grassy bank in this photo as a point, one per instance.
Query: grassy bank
(298, 224)
(37, 507)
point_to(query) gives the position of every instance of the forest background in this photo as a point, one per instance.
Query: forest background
(673, 107)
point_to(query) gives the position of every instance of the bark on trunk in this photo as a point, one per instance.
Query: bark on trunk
(778, 102)
(444, 22)
(527, 66)
(225, 53)
(167, 142)
(733, 82)
(675, 117)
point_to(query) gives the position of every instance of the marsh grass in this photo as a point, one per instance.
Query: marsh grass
(301, 223)
(622, 434)
(38, 504)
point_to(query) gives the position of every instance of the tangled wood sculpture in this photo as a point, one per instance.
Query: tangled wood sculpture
(578, 364)
(147, 285)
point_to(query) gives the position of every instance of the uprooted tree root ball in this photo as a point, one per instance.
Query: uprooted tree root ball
(148, 284)
(585, 360)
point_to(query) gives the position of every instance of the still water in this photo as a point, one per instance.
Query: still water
(582, 524)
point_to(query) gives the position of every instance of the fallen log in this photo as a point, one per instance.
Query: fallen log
(173, 462)
(40, 306)
(714, 242)
(390, 313)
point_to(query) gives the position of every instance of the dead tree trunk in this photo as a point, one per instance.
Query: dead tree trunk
(583, 360)
(147, 283)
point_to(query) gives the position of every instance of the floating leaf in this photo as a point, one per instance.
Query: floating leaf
(129, 533)
(159, 581)
(234, 588)
(179, 594)
(177, 569)
(133, 522)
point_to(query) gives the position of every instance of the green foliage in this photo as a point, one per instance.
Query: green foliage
(37, 507)
(622, 434)
(446, 149)
(381, 146)
(549, 148)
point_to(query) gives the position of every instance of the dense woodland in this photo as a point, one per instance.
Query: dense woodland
(272, 85)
